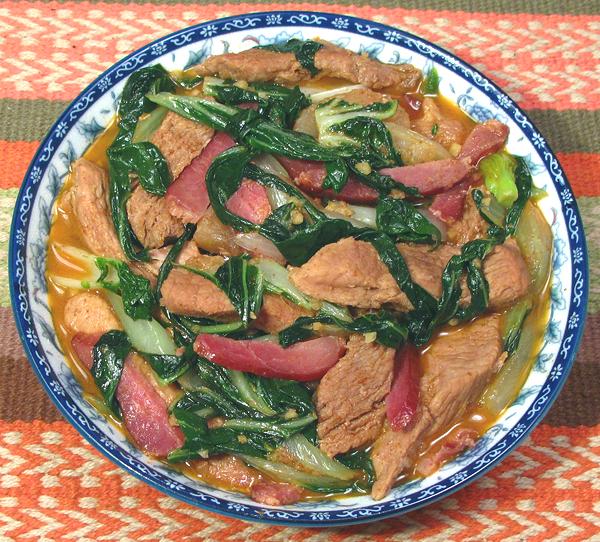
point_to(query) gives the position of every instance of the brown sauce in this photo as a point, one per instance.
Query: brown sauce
(65, 230)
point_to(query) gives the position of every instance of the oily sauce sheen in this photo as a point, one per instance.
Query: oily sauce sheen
(65, 230)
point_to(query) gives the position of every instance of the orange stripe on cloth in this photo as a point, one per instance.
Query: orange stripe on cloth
(56, 484)
(16, 156)
(583, 172)
(582, 169)
(52, 50)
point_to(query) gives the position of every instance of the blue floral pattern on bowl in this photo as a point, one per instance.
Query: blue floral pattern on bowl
(93, 109)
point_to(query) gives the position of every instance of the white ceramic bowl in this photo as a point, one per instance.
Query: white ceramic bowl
(93, 109)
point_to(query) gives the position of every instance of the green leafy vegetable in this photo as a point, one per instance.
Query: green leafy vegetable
(243, 283)
(148, 124)
(513, 324)
(336, 175)
(168, 367)
(109, 355)
(304, 51)
(147, 163)
(431, 82)
(499, 177)
(404, 223)
(169, 261)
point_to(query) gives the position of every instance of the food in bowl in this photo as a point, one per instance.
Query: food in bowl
(299, 273)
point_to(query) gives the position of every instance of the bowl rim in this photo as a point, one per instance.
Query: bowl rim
(301, 19)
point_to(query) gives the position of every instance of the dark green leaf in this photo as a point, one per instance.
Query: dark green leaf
(431, 83)
(303, 50)
(169, 261)
(360, 460)
(244, 285)
(404, 223)
(109, 355)
(336, 175)
(168, 368)
(147, 163)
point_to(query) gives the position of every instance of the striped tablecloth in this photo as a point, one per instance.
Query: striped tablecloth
(54, 486)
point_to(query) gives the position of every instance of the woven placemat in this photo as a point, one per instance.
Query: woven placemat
(54, 486)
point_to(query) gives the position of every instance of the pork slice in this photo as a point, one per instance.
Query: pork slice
(447, 131)
(350, 272)
(90, 314)
(337, 62)
(457, 366)
(180, 140)
(350, 398)
(450, 205)
(226, 470)
(277, 313)
(468, 223)
(275, 493)
(184, 292)
(330, 60)
(250, 201)
(460, 441)
(151, 220)
(90, 203)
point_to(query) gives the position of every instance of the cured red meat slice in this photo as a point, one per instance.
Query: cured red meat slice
(187, 196)
(251, 202)
(144, 410)
(403, 399)
(275, 493)
(303, 361)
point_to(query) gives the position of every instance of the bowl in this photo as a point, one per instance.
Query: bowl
(476, 95)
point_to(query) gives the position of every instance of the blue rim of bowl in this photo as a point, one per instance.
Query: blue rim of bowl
(563, 362)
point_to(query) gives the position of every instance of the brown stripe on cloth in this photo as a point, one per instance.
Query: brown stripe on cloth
(23, 398)
(21, 394)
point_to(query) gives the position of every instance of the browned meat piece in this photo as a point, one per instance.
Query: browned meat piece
(255, 65)
(457, 367)
(277, 313)
(184, 292)
(180, 140)
(214, 236)
(471, 225)
(337, 62)
(90, 314)
(447, 132)
(331, 61)
(226, 470)
(150, 219)
(350, 272)
(90, 203)
(350, 398)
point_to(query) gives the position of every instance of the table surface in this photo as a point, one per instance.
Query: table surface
(53, 485)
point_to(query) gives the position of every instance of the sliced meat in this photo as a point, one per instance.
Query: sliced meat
(470, 225)
(187, 197)
(151, 220)
(484, 139)
(403, 401)
(447, 131)
(309, 177)
(350, 398)
(461, 440)
(430, 177)
(90, 203)
(457, 366)
(184, 292)
(275, 493)
(158, 255)
(330, 60)
(277, 313)
(142, 403)
(362, 280)
(90, 314)
(214, 236)
(304, 361)
(226, 470)
(250, 201)
(180, 140)
(449, 205)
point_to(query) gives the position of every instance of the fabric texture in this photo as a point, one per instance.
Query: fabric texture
(55, 486)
